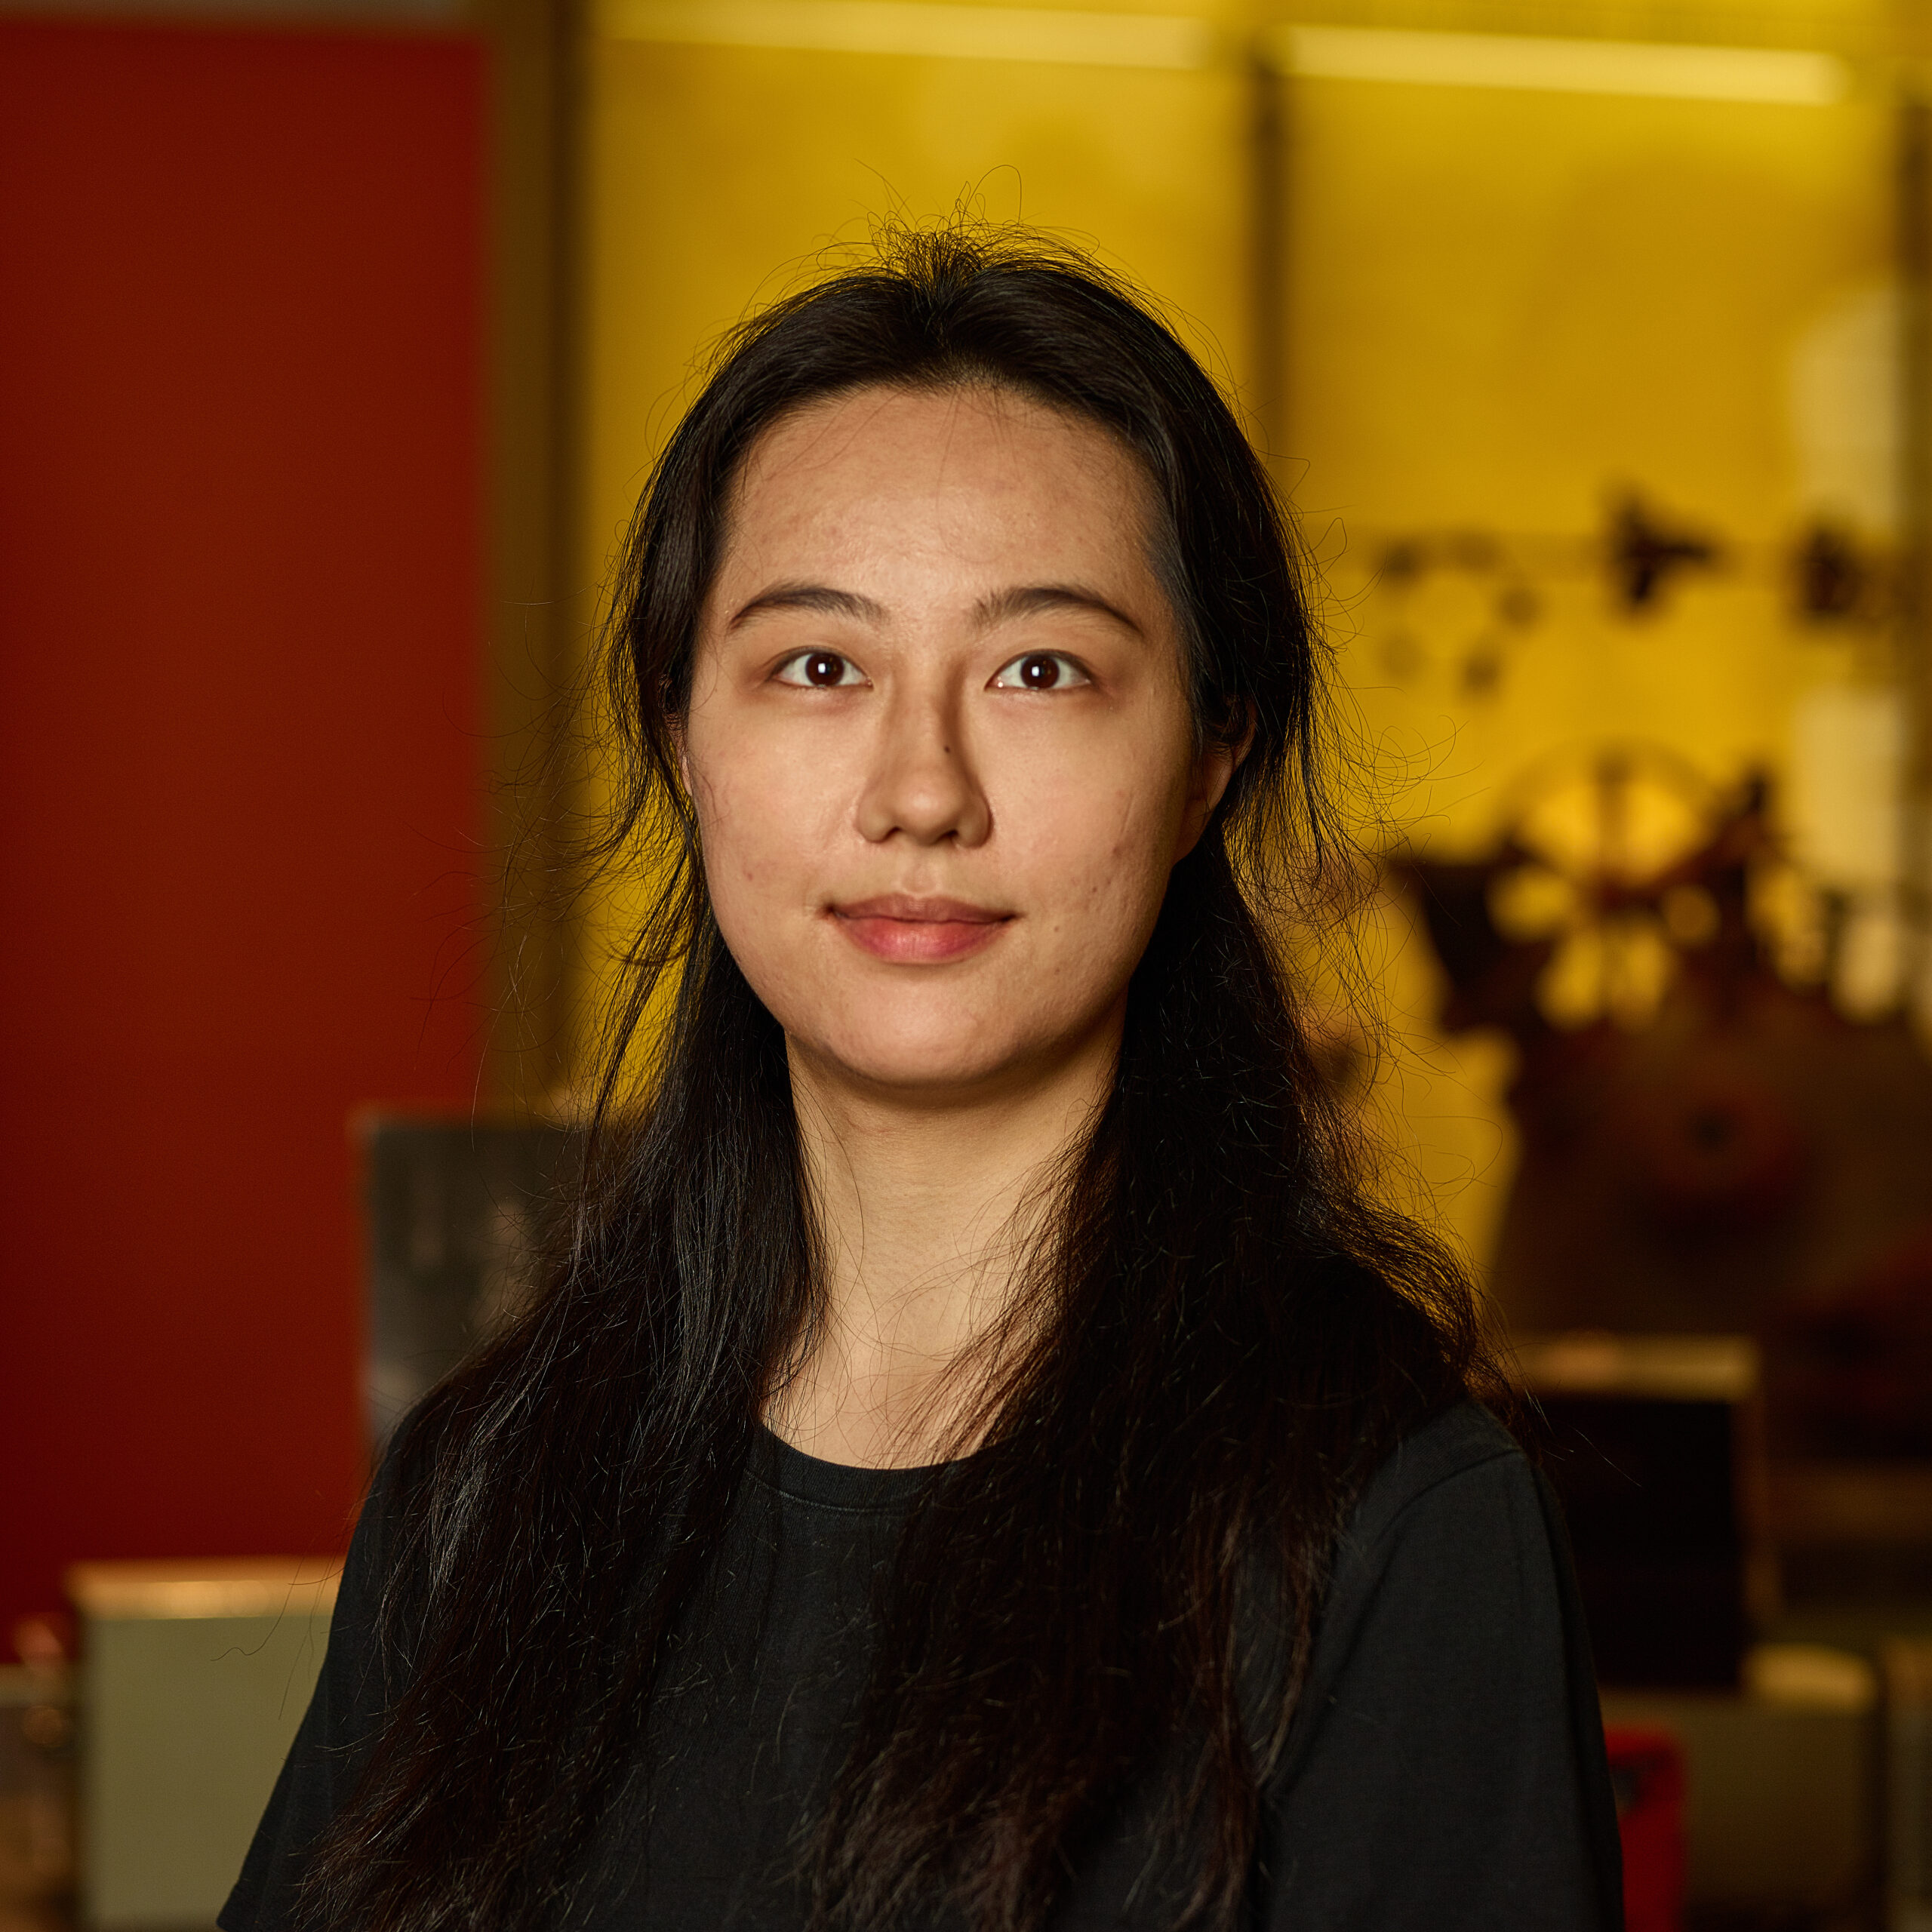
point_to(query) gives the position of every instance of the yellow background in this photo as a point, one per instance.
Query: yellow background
(1495, 307)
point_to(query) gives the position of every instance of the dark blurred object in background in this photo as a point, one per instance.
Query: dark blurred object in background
(1710, 1145)
(36, 1776)
(1654, 1445)
(460, 1212)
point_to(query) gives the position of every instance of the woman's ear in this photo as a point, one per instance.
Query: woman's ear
(1214, 767)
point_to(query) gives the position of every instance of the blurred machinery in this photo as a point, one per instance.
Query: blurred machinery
(1715, 1263)
(1827, 575)
(1710, 1145)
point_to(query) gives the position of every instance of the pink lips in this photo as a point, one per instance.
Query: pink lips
(918, 931)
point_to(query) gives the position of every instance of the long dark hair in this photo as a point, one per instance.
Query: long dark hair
(1225, 1334)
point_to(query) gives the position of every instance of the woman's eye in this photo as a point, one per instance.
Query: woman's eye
(1039, 671)
(822, 670)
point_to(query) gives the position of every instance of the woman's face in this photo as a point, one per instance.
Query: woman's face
(938, 740)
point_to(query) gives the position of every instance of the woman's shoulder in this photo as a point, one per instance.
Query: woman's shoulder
(1456, 1506)
(381, 1549)
(1450, 1707)
(1449, 1462)
(346, 1713)
(1455, 1544)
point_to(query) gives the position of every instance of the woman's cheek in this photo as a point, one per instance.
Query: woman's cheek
(747, 822)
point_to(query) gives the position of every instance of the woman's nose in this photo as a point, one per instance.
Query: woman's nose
(922, 783)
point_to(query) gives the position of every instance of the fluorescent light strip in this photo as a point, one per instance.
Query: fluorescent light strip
(1655, 67)
(902, 26)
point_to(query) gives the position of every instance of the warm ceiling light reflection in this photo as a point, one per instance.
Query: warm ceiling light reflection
(1563, 67)
(901, 27)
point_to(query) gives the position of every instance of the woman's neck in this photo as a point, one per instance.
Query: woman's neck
(928, 1206)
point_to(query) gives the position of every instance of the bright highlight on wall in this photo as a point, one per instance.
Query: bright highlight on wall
(939, 31)
(1658, 69)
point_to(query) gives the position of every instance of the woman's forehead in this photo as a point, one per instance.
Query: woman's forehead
(885, 467)
(961, 431)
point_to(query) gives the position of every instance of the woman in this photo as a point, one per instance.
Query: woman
(983, 1460)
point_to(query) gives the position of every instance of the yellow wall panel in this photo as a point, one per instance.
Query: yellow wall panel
(1500, 300)
(718, 175)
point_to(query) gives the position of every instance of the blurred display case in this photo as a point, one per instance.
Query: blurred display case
(1655, 1444)
(460, 1214)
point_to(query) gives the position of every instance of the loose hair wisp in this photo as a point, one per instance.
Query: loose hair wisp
(1114, 1595)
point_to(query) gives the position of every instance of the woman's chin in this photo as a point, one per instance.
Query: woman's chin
(934, 1079)
(939, 1069)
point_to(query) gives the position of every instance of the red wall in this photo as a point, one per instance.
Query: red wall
(239, 753)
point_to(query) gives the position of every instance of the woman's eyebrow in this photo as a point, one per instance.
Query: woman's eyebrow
(1000, 607)
(1024, 600)
(811, 597)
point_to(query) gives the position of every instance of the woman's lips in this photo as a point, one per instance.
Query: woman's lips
(918, 931)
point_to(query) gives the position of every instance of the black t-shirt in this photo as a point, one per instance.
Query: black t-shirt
(1445, 1768)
